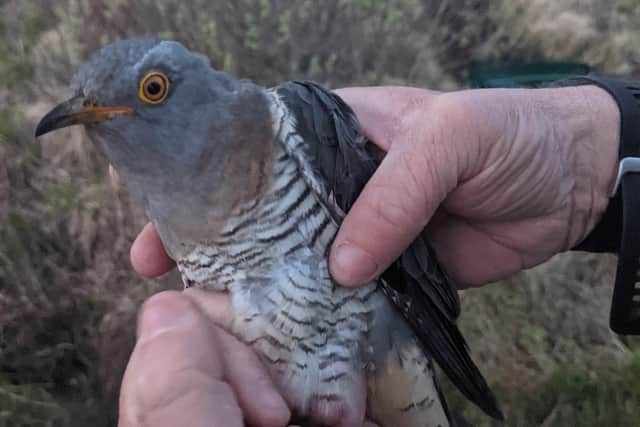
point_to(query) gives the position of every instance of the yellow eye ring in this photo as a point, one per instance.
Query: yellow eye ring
(154, 88)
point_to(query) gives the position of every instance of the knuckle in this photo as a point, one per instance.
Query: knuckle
(401, 120)
(456, 120)
(441, 145)
(426, 176)
(166, 303)
(164, 312)
(454, 107)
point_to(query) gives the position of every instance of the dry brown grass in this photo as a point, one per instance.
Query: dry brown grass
(68, 297)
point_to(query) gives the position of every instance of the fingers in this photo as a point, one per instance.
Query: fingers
(455, 239)
(263, 406)
(147, 253)
(377, 107)
(148, 256)
(215, 305)
(392, 209)
(184, 371)
(402, 195)
(174, 376)
(243, 369)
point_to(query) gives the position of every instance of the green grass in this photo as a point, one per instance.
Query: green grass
(608, 396)
(29, 405)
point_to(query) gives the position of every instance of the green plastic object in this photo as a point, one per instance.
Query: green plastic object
(523, 74)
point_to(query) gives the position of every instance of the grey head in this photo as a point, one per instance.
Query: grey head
(191, 143)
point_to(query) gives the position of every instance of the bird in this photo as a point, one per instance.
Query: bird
(247, 187)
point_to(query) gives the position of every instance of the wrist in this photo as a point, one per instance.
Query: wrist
(594, 118)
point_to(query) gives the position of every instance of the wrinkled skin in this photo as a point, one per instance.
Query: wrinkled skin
(504, 178)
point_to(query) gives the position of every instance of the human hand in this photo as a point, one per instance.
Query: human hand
(513, 177)
(184, 370)
(504, 178)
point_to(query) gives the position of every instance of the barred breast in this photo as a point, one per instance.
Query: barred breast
(325, 345)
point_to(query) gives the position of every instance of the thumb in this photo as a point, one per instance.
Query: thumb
(393, 208)
(186, 371)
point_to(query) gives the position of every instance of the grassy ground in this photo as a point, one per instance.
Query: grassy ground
(68, 297)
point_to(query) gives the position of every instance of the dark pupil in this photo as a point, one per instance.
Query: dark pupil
(154, 88)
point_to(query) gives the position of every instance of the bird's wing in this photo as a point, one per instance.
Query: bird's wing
(335, 146)
(420, 290)
(415, 283)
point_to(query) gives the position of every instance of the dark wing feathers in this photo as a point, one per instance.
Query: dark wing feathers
(340, 155)
(415, 283)
(419, 263)
(433, 322)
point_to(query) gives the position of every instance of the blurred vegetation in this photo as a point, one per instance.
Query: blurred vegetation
(68, 297)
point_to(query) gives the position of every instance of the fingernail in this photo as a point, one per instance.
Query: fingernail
(352, 265)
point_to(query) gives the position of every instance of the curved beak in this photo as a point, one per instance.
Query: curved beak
(77, 111)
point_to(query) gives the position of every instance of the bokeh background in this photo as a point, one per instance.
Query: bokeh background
(68, 296)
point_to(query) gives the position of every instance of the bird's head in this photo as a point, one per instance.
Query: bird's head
(189, 141)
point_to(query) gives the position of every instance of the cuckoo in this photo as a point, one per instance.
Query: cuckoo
(247, 187)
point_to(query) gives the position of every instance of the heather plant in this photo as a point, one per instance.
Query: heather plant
(68, 297)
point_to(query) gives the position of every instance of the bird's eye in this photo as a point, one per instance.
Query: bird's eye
(154, 88)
